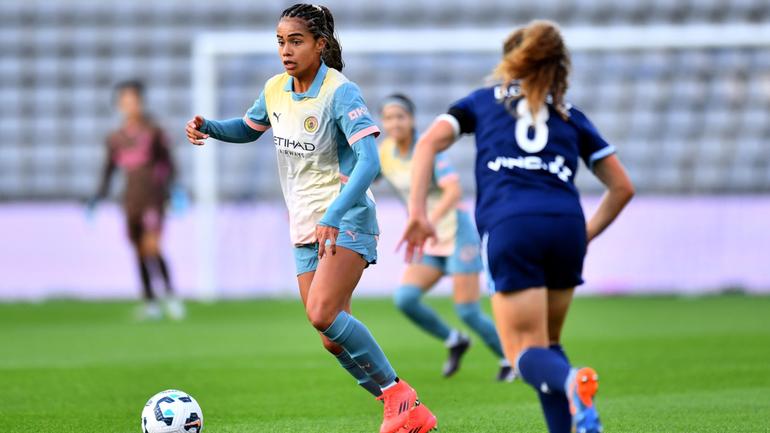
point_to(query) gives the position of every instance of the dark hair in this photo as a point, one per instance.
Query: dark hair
(137, 86)
(537, 56)
(400, 99)
(320, 23)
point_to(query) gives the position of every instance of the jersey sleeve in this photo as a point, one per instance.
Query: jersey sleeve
(591, 145)
(351, 114)
(464, 115)
(257, 118)
(443, 170)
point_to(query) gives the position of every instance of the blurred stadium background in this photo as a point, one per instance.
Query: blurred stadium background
(690, 123)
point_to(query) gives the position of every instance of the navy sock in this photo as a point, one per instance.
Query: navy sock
(560, 351)
(471, 314)
(555, 405)
(359, 374)
(356, 339)
(408, 299)
(544, 369)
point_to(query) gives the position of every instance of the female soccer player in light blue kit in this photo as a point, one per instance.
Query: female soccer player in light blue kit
(534, 234)
(327, 158)
(456, 252)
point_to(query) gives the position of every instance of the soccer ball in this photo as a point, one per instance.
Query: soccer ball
(172, 411)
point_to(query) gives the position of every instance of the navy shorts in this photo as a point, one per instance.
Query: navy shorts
(535, 251)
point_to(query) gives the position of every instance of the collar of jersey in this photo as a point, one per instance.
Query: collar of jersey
(314, 89)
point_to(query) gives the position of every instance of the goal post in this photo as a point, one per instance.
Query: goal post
(208, 47)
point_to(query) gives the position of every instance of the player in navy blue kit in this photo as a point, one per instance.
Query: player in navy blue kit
(528, 210)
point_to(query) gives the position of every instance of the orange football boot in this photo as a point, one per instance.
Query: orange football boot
(398, 400)
(421, 420)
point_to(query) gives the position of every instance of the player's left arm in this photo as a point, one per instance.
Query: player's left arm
(620, 190)
(449, 182)
(163, 154)
(600, 157)
(364, 172)
(106, 177)
(352, 117)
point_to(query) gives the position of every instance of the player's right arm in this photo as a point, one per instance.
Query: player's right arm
(419, 229)
(441, 134)
(106, 178)
(237, 130)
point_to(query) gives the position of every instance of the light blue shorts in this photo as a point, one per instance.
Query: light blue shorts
(306, 256)
(466, 258)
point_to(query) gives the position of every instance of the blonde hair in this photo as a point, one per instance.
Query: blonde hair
(537, 56)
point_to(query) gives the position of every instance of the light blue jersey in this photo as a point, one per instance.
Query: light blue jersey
(313, 133)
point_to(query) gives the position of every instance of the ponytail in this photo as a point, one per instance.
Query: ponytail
(537, 56)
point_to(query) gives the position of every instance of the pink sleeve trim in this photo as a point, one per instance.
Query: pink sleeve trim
(254, 125)
(372, 130)
(449, 177)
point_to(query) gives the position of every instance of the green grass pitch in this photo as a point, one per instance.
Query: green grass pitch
(667, 365)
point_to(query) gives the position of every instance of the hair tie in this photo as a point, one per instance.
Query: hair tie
(400, 101)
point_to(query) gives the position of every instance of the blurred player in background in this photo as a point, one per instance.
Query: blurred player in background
(140, 148)
(327, 159)
(455, 253)
(528, 143)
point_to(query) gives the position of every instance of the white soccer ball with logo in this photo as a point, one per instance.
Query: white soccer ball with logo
(172, 411)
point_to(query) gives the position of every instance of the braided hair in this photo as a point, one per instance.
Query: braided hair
(320, 23)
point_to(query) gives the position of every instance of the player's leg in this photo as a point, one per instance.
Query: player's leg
(559, 302)
(556, 405)
(516, 252)
(466, 292)
(152, 223)
(564, 268)
(577, 409)
(330, 289)
(522, 322)
(417, 280)
(150, 310)
(150, 246)
(333, 283)
(346, 361)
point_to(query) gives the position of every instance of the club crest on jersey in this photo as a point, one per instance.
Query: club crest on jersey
(311, 124)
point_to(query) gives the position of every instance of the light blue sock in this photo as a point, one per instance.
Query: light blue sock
(472, 315)
(353, 336)
(357, 372)
(408, 299)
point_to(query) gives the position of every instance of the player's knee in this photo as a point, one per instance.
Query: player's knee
(320, 315)
(407, 297)
(468, 312)
(149, 246)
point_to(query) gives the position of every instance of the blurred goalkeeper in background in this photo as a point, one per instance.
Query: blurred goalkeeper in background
(140, 148)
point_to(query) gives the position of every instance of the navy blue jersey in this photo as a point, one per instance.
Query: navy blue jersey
(525, 166)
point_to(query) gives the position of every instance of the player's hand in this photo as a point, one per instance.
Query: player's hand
(418, 231)
(194, 135)
(323, 234)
